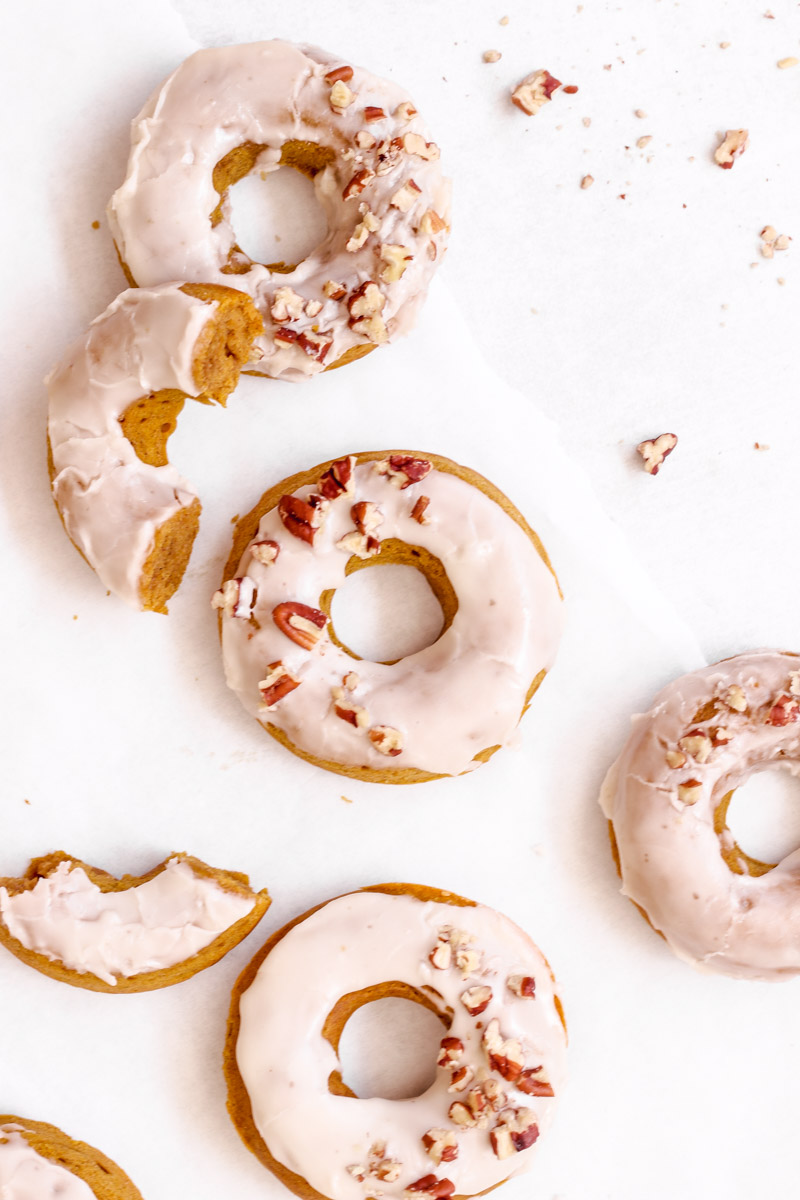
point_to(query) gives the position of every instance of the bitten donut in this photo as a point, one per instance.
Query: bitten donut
(500, 1064)
(114, 401)
(230, 110)
(667, 798)
(441, 711)
(39, 1162)
(82, 926)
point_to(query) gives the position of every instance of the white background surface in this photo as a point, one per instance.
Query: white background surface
(119, 731)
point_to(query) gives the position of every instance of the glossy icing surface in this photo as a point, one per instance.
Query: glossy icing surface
(706, 733)
(26, 1175)
(377, 195)
(111, 502)
(449, 701)
(361, 940)
(145, 928)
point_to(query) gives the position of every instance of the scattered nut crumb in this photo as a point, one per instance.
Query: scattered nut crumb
(587, 121)
(640, 113)
(644, 141)
(760, 446)
(96, 224)
(724, 45)
(769, 15)
(791, 61)
(491, 56)
(534, 91)
(655, 450)
(607, 66)
(782, 241)
(781, 280)
(26, 801)
(504, 20)
(732, 146)
(771, 241)
(587, 181)
(571, 89)
(347, 799)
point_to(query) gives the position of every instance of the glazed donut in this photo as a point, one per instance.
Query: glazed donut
(232, 109)
(82, 926)
(501, 1062)
(441, 711)
(39, 1161)
(114, 401)
(667, 798)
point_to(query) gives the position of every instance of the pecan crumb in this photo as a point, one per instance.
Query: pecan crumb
(587, 182)
(791, 61)
(655, 450)
(491, 56)
(732, 146)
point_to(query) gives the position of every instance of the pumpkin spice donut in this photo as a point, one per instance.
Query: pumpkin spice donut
(501, 1061)
(82, 926)
(441, 711)
(39, 1161)
(230, 110)
(667, 797)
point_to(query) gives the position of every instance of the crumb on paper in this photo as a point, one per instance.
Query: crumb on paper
(791, 61)
(587, 121)
(771, 241)
(491, 56)
(74, 616)
(732, 146)
(535, 91)
(760, 446)
(96, 224)
(234, 519)
(346, 799)
(640, 113)
(653, 451)
(781, 281)
(26, 801)
(504, 20)
(587, 182)
(769, 15)
(644, 141)
(607, 66)
(724, 45)
(571, 89)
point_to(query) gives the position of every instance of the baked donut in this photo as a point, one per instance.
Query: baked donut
(230, 110)
(114, 401)
(501, 1062)
(667, 796)
(441, 711)
(82, 926)
(38, 1162)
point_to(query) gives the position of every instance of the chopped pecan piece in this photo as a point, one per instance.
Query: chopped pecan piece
(338, 479)
(387, 740)
(441, 956)
(418, 513)
(405, 197)
(343, 73)
(730, 148)
(431, 1188)
(303, 518)
(784, 711)
(467, 961)
(395, 259)
(363, 546)
(414, 143)
(696, 744)
(265, 552)
(505, 1055)
(405, 111)
(476, 999)
(365, 140)
(388, 155)
(357, 184)
(304, 625)
(450, 1051)
(441, 1144)
(516, 1131)
(351, 681)
(689, 792)
(735, 698)
(347, 711)
(655, 450)
(367, 517)
(402, 469)
(460, 1079)
(277, 684)
(522, 985)
(431, 222)
(532, 1085)
(236, 597)
(675, 758)
(373, 113)
(315, 345)
(387, 1170)
(334, 290)
(340, 96)
(535, 91)
(368, 224)
(287, 305)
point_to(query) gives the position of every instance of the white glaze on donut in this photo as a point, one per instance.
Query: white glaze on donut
(449, 701)
(353, 943)
(111, 502)
(27, 1175)
(663, 815)
(145, 928)
(270, 93)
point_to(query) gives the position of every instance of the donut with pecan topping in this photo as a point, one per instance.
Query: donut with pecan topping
(440, 711)
(479, 1120)
(667, 798)
(231, 110)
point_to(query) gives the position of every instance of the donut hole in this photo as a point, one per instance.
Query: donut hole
(385, 615)
(388, 1048)
(763, 814)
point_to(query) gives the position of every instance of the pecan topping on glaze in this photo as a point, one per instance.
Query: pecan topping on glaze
(265, 552)
(236, 597)
(467, 961)
(388, 155)
(431, 222)
(735, 698)
(418, 512)
(441, 956)
(363, 546)
(450, 1051)
(344, 73)
(784, 711)
(535, 91)
(387, 740)
(303, 517)
(431, 1188)
(522, 985)
(315, 345)
(414, 143)
(689, 792)
(357, 184)
(405, 197)
(365, 305)
(655, 450)
(367, 517)
(696, 744)
(304, 625)
(476, 999)
(278, 683)
(395, 258)
(347, 710)
(287, 305)
(675, 758)
(516, 1131)
(334, 290)
(338, 479)
(441, 1144)
(340, 96)
(732, 146)
(460, 1079)
(405, 111)
(402, 469)
(505, 1055)
(373, 113)
(533, 1086)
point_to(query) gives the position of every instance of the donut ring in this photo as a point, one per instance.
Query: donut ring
(114, 402)
(229, 110)
(82, 926)
(417, 718)
(41, 1157)
(667, 796)
(502, 1061)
